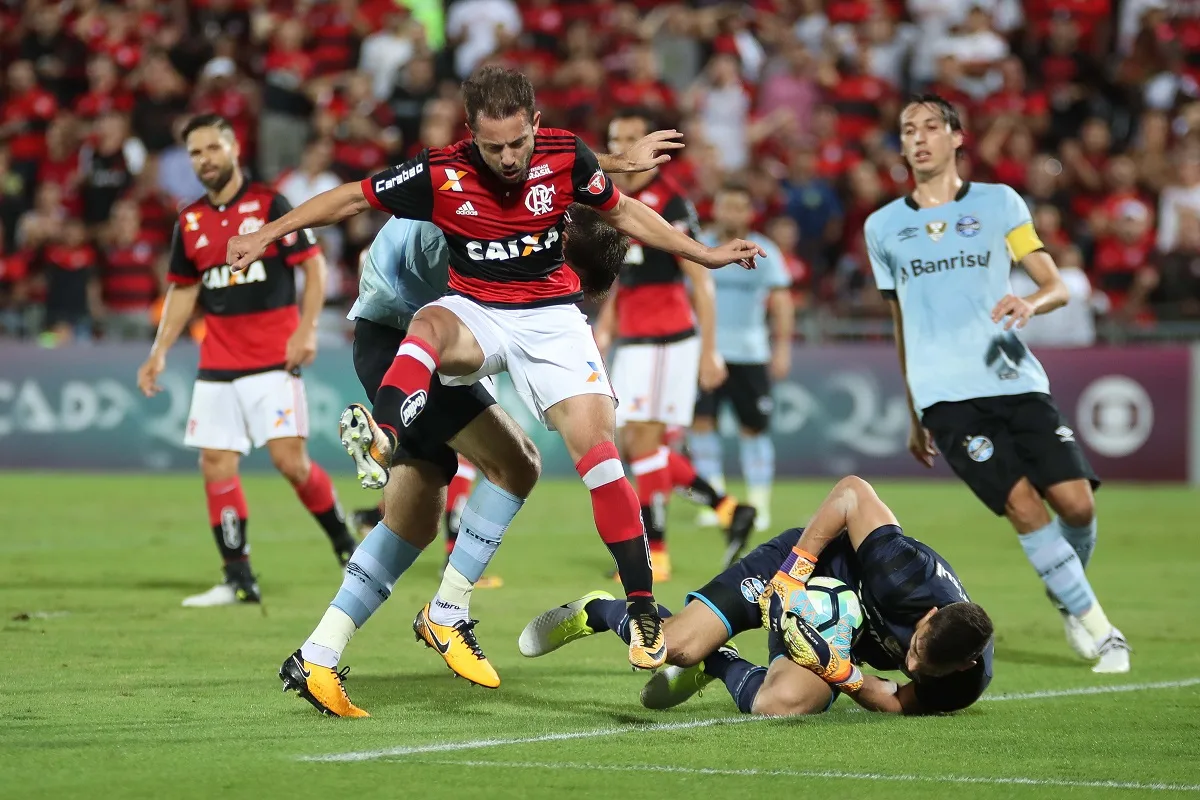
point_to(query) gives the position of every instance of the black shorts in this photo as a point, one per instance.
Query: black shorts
(993, 442)
(875, 568)
(449, 410)
(748, 388)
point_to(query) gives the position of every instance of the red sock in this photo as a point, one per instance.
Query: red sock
(618, 518)
(409, 376)
(227, 515)
(653, 476)
(317, 492)
(456, 497)
(653, 489)
(681, 469)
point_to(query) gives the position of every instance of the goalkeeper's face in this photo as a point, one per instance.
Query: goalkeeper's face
(926, 139)
(917, 661)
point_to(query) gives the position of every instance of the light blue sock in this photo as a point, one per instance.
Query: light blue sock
(1083, 539)
(1059, 568)
(377, 563)
(706, 454)
(488, 513)
(758, 460)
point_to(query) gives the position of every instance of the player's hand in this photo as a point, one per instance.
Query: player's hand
(649, 152)
(921, 445)
(788, 590)
(713, 371)
(830, 660)
(148, 372)
(242, 251)
(301, 349)
(1018, 309)
(781, 362)
(738, 251)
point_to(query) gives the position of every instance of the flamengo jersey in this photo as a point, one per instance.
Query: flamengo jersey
(505, 240)
(249, 315)
(652, 303)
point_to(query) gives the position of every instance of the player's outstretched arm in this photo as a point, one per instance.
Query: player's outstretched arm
(650, 151)
(638, 221)
(327, 208)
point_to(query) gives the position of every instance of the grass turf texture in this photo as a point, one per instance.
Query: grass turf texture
(110, 689)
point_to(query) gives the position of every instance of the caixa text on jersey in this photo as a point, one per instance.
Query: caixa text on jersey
(222, 277)
(505, 249)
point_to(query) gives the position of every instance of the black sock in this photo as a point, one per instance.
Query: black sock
(230, 535)
(613, 615)
(633, 563)
(741, 678)
(652, 520)
(388, 411)
(703, 493)
(333, 522)
(238, 572)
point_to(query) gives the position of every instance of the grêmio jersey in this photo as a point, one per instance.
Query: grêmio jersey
(249, 315)
(653, 305)
(403, 270)
(504, 240)
(948, 266)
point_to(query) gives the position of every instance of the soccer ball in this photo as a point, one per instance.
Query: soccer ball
(834, 602)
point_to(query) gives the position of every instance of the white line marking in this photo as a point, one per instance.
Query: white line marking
(480, 744)
(838, 774)
(1086, 690)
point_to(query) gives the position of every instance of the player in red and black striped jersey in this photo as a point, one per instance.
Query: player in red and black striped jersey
(248, 391)
(661, 356)
(501, 198)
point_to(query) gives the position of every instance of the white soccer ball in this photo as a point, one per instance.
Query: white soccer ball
(835, 602)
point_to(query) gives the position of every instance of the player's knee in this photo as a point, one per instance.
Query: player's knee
(218, 465)
(1024, 507)
(775, 700)
(525, 469)
(294, 466)
(1077, 508)
(704, 425)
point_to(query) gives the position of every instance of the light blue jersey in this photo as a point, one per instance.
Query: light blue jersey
(742, 333)
(948, 266)
(405, 268)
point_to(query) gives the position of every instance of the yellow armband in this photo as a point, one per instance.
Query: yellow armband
(1022, 241)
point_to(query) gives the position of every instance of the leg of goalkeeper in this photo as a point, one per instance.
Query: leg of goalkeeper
(790, 690)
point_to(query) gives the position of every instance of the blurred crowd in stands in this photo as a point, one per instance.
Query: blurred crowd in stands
(1089, 108)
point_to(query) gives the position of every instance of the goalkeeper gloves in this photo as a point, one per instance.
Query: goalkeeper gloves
(830, 660)
(786, 591)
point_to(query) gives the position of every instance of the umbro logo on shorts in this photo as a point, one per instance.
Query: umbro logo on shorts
(467, 210)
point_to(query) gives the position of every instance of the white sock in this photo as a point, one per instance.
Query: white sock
(452, 602)
(324, 647)
(760, 498)
(1096, 623)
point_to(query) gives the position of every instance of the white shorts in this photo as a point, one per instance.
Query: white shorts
(657, 382)
(250, 411)
(548, 352)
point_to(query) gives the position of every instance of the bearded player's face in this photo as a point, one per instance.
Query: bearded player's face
(926, 139)
(506, 145)
(214, 156)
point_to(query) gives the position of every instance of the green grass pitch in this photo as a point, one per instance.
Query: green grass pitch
(109, 689)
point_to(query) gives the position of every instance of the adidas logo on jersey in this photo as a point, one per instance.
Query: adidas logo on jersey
(467, 210)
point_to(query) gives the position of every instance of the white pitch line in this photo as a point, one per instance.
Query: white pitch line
(838, 774)
(1086, 690)
(480, 744)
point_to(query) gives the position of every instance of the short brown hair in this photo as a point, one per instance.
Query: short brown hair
(497, 93)
(957, 635)
(594, 249)
(206, 121)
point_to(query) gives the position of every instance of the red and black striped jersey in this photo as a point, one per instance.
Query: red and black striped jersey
(652, 300)
(248, 315)
(505, 240)
(127, 279)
